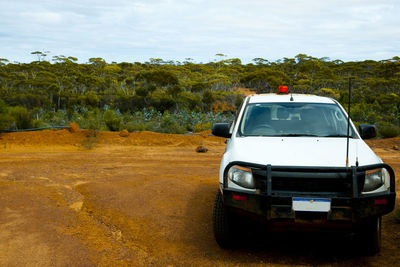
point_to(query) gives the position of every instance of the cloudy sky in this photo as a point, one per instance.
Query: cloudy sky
(136, 30)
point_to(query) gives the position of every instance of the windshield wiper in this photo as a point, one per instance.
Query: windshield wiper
(314, 135)
(337, 135)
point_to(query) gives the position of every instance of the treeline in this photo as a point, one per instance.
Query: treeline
(174, 96)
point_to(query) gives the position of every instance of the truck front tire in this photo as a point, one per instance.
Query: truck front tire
(222, 223)
(370, 236)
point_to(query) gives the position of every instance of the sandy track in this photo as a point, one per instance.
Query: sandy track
(142, 200)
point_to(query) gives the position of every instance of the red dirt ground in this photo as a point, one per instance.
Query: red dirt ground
(84, 198)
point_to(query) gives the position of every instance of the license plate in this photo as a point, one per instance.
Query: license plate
(311, 204)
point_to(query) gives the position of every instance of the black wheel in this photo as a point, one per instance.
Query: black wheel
(222, 223)
(370, 236)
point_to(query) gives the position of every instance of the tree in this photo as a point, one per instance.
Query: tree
(40, 55)
(265, 79)
(3, 61)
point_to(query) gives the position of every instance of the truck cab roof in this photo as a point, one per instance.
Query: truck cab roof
(299, 98)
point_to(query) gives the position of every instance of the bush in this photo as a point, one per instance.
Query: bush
(3, 107)
(388, 130)
(329, 92)
(5, 118)
(5, 121)
(92, 99)
(134, 127)
(144, 120)
(56, 118)
(39, 124)
(22, 117)
(112, 120)
(169, 125)
(202, 127)
(88, 119)
(93, 120)
(221, 107)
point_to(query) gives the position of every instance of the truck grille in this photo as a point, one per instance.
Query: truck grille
(338, 183)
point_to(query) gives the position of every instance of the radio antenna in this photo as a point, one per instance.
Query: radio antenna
(348, 124)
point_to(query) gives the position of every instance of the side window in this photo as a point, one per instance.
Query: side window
(236, 117)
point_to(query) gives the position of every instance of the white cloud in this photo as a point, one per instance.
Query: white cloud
(41, 17)
(124, 30)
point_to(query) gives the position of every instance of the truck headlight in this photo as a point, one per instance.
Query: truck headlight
(241, 176)
(373, 180)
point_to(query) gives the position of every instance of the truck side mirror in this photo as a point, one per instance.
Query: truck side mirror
(221, 130)
(367, 131)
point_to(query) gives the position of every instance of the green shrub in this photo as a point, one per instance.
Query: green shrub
(112, 120)
(189, 127)
(329, 92)
(388, 130)
(88, 119)
(22, 117)
(169, 125)
(5, 121)
(92, 99)
(39, 124)
(134, 127)
(5, 118)
(202, 127)
(58, 118)
(3, 107)
(93, 120)
(148, 119)
(92, 123)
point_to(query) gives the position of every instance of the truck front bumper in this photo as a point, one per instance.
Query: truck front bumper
(347, 206)
(278, 207)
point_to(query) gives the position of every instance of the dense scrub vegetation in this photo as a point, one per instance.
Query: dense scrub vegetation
(171, 96)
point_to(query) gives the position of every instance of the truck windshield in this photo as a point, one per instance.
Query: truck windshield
(294, 119)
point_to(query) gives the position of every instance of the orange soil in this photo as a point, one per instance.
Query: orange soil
(79, 199)
(66, 139)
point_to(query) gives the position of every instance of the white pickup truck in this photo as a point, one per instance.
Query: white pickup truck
(285, 162)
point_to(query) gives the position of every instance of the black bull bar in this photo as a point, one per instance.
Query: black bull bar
(273, 199)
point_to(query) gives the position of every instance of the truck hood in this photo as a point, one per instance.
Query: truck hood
(300, 151)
